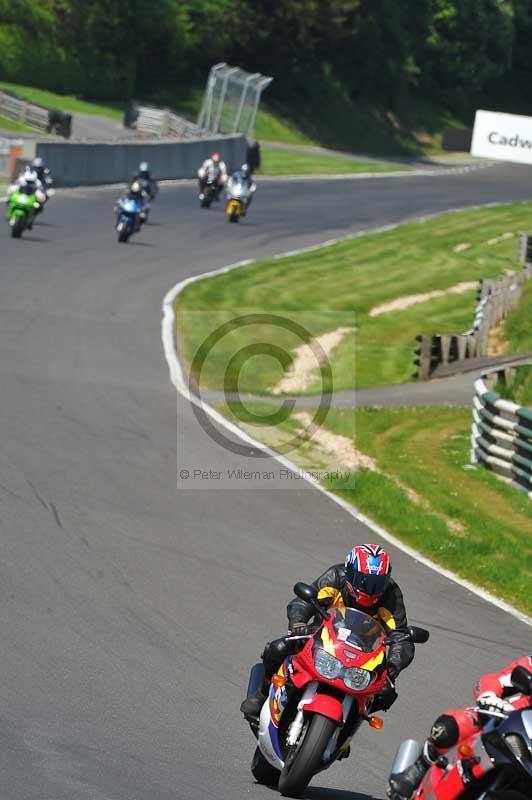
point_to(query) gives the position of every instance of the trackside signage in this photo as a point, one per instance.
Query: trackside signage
(507, 137)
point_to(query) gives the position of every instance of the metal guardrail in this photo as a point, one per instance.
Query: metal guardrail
(501, 437)
(23, 112)
(43, 119)
(162, 122)
(496, 297)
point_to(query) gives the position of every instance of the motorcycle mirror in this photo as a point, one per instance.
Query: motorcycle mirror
(418, 635)
(305, 592)
(521, 678)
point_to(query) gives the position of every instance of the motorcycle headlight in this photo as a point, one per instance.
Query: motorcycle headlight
(328, 666)
(356, 678)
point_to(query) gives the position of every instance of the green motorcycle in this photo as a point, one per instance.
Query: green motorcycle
(22, 206)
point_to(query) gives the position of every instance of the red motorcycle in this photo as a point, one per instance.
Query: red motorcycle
(494, 763)
(320, 695)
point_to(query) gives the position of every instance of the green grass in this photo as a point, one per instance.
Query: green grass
(274, 127)
(61, 102)
(519, 389)
(333, 120)
(518, 325)
(426, 492)
(338, 286)
(289, 162)
(7, 124)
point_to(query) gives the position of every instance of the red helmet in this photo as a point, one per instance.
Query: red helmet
(367, 573)
(216, 158)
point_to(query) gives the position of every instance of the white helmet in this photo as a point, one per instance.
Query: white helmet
(30, 176)
(244, 169)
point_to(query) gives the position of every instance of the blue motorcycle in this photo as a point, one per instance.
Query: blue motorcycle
(128, 219)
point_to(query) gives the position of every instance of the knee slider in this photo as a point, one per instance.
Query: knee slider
(274, 654)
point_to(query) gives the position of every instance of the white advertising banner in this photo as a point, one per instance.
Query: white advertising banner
(507, 137)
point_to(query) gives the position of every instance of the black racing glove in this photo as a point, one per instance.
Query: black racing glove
(392, 671)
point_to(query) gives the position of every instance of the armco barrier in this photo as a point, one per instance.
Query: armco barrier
(162, 122)
(76, 164)
(43, 119)
(501, 437)
(497, 296)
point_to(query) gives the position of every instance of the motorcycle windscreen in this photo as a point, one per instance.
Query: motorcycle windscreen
(358, 629)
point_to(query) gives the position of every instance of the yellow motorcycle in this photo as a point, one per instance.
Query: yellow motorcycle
(238, 199)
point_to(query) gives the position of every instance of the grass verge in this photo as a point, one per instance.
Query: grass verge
(337, 286)
(61, 102)
(289, 162)
(422, 489)
(518, 324)
(519, 390)
(7, 124)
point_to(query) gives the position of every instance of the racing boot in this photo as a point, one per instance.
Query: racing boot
(404, 784)
(252, 705)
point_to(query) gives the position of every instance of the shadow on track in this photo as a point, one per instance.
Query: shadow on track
(319, 793)
(30, 239)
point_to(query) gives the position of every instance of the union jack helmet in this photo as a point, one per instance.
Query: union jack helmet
(367, 573)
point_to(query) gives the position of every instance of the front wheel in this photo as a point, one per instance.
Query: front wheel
(305, 758)
(262, 770)
(123, 232)
(17, 227)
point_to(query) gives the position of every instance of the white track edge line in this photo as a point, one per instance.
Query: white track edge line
(178, 379)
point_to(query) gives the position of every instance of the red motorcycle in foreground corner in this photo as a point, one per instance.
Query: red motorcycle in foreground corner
(321, 695)
(495, 763)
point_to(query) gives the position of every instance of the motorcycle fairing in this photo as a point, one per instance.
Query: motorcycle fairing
(448, 784)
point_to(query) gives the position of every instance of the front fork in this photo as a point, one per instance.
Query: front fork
(312, 701)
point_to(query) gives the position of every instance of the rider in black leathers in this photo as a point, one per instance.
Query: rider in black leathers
(353, 585)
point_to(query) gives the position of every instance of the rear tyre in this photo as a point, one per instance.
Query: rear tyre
(302, 765)
(17, 227)
(233, 218)
(262, 770)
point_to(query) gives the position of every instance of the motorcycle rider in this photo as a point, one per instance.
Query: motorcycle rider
(362, 582)
(493, 692)
(147, 182)
(134, 193)
(28, 183)
(244, 176)
(43, 173)
(212, 169)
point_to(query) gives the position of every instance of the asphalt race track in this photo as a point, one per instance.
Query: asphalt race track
(130, 610)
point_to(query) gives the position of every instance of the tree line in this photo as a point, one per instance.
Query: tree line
(387, 52)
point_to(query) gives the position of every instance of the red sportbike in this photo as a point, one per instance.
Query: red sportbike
(320, 695)
(495, 763)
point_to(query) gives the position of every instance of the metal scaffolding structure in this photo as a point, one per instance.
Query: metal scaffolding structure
(231, 100)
